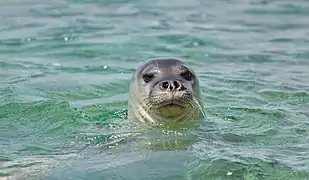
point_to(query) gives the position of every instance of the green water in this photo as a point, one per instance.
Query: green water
(65, 67)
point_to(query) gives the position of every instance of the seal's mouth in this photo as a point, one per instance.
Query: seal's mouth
(172, 103)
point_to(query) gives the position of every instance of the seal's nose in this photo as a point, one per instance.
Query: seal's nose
(172, 85)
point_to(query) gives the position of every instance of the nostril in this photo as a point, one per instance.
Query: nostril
(172, 85)
(177, 85)
(165, 85)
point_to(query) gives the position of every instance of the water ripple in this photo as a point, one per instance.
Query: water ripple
(65, 67)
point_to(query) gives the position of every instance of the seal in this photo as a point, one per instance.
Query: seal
(165, 90)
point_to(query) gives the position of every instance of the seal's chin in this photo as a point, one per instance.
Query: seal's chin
(171, 109)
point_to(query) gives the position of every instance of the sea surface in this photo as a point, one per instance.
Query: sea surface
(65, 67)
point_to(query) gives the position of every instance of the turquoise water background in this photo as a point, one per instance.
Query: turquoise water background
(65, 67)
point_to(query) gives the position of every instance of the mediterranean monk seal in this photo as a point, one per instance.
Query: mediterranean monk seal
(164, 90)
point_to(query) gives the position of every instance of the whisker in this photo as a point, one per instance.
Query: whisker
(146, 109)
(199, 107)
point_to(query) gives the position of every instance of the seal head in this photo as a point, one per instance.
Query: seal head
(165, 90)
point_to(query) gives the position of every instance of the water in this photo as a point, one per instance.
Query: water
(65, 67)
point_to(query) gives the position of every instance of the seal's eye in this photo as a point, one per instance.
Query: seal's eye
(148, 77)
(187, 75)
